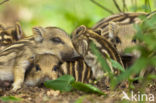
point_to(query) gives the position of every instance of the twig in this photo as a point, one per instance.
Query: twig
(111, 12)
(135, 5)
(3, 2)
(148, 7)
(124, 5)
(117, 6)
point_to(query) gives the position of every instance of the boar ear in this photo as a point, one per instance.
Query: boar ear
(79, 30)
(38, 33)
(19, 30)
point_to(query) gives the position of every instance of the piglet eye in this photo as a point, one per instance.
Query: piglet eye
(117, 39)
(56, 40)
(38, 67)
(134, 40)
(55, 68)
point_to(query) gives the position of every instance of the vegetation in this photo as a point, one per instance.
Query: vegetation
(68, 14)
(67, 83)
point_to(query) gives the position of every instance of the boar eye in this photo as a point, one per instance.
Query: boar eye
(38, 68)
(55, 68)
(56, 40)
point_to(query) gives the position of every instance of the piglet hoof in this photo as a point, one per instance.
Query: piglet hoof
(15, 88)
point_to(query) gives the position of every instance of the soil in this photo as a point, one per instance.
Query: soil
(45, 95)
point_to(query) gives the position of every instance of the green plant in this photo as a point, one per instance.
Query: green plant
(10, 98)
(146, 35)
(68, 83)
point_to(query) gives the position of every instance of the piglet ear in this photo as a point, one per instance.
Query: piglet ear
(38, 33)
(79, 30)
(113, 29)
(98, 31)
(2, 27)
(20, 33)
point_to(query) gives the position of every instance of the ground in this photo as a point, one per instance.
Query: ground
(44, 95)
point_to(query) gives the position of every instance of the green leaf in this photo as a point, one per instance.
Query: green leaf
(151, 76)
(67, 83)
(139, 64)
(153, 60)
(136, 78)
(10, 98)
(100, 58)
(115, 64)
(86, 88)
(63, 83)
